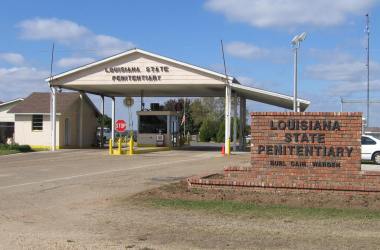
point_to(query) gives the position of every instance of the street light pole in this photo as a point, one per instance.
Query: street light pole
(296, 42)
(295, 87)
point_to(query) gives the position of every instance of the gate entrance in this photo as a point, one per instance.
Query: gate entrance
(138, 73)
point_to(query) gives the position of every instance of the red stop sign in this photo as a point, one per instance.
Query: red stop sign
(121, 126)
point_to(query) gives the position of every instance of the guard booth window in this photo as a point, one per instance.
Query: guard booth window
(37, 122)
(153, 124)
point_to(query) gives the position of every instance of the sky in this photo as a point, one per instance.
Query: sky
(256, 36)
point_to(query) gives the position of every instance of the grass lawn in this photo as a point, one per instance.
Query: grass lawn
(13, 149)
(265, 211)
(8, 152)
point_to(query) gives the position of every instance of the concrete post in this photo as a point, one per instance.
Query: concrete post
(102, 125)
(235, 122)
(113, 120)
(53, 119)
(227, 120)
(81, 113)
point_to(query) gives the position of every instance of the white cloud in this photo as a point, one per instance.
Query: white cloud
(252, 52)
(109, 45)
(245, 80)
(347, 88)
(74, 61)
(12, 58)
(21, 81)
(53, 28)
(245, 50)
(72, 35)
(344, 71)
(290, 13)
(344, 74)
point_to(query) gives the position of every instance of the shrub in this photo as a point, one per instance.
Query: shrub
(24, 148)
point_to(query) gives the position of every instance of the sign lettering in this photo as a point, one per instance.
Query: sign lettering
(137, 74)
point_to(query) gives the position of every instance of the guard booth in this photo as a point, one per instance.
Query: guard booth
(157, 128)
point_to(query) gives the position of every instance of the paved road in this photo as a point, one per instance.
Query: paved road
(66, 200)
(51, 197)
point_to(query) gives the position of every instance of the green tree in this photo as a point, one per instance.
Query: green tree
(208, 130)
(107, 121)
(220, 134)
(177, 105)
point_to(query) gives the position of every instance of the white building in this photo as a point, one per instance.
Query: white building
(7, 120)
(76, 121)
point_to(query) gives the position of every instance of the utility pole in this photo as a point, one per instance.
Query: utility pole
(367, 31)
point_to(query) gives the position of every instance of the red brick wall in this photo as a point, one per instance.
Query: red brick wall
(342, 169)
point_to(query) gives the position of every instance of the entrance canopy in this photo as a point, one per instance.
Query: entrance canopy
(138, 73)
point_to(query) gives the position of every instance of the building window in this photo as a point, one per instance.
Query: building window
(153, 124)
(37, 122)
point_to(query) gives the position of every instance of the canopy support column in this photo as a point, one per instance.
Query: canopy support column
(53, 119)
(81, 111)
(102, 125)
(235, 122)
(113, 120)
(227, 131)
(242, 123)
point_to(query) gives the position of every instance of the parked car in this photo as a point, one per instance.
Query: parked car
(106, 134)
(370, 149)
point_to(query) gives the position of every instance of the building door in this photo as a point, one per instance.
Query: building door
(6, 131)
(67, 132)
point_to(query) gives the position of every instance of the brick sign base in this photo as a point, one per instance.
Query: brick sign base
(303, 151)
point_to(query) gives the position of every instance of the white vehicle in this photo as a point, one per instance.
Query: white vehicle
(370, 149)
(106, 134)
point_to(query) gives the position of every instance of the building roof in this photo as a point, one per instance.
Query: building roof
(11, 101)
(39, 103)
(182, 80)
(131, 51)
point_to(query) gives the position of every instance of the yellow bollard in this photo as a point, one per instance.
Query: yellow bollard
(131, 142)
(228, 147)
(110, 147)
(119, 146)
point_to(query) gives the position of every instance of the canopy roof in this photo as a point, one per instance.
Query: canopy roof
(140, 73)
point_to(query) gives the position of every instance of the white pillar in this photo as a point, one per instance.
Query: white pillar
(242, 123)
(81, 111)
(227, 136)
(235, 122)
(113, 120)
(53, 119)
(102, 125)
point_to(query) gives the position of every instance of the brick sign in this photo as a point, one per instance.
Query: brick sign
(313, 141)
(306, 140)
(301, 151)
